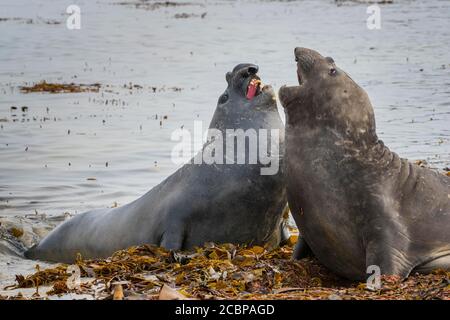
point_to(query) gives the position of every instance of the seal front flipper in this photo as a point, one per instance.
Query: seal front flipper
(31, 252)
(173, 239)
(301, 250)
(386, 238)
(390, 260)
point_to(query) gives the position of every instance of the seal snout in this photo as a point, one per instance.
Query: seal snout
(246, 69)
(245, 81)
(305, 59)
(252, 70)
(252, 85)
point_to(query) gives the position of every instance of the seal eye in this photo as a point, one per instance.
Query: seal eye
(223, 98)
(296, 59)
(333, 72)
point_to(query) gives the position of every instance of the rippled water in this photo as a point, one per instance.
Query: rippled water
(120, 44)
(405, 68)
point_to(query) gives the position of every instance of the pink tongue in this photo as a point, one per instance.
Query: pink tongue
(251, 91)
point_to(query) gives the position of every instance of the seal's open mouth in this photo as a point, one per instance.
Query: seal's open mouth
(254, 87)
(299, 77)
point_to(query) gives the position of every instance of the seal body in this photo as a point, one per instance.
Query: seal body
(206, 202)
(356, 203)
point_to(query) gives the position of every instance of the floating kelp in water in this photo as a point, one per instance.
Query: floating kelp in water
(44, 86)
(154, 5)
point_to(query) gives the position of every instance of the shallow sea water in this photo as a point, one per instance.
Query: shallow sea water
(50, 152)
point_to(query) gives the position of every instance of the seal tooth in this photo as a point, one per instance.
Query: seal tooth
(257, 83)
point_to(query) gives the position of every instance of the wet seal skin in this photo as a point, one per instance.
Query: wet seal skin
(357, 203)
(221, 203)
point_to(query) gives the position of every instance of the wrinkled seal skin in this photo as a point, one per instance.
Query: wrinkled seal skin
(355, 202)
(198, 203)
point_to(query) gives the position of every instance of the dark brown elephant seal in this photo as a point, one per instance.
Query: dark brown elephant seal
(356, 202)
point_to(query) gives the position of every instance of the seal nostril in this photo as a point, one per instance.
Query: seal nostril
(252, 70)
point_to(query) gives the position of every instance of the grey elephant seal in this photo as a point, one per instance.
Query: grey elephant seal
(221, 203)
(356, 203)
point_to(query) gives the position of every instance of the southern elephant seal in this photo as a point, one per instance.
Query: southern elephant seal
(356, 203)
(232, 202)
